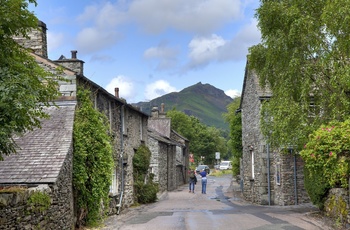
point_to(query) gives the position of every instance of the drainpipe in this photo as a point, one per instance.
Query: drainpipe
(268, 174)
(295, 180)
(121, 163)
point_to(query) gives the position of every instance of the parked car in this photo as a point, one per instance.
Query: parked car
(224, 165)
(201, 167)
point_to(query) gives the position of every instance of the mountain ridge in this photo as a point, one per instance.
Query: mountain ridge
(203, 101)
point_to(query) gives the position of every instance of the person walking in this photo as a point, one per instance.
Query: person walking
(203, 174)
(192, 181)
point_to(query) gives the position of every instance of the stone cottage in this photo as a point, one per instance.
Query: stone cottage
(42, 164)
(128, 126)
(170, 154)
(268, 177)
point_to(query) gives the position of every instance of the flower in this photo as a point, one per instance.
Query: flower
(330, 154)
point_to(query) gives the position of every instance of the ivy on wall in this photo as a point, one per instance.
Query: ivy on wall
(144, 187)
(92, 161)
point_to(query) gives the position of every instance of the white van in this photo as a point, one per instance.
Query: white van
(225, 165)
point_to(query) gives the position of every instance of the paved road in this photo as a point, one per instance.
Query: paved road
(220, 208)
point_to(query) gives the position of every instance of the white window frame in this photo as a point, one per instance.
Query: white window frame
(113, 188)
(278, 173)
(252, 163)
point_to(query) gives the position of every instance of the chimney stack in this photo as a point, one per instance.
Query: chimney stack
(116, 92)
(74, 54)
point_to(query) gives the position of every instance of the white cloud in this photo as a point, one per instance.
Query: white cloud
(93, 39)
(125, 85)
(165, 56)
(233, 93)
(196, 16)
(208, 49)
(100, 24)
(54, 40)
(204, 50)
(157, 89)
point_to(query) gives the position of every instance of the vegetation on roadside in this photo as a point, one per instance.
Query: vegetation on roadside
(327, 160)
(204, 141)
(219, 173)
(145, 189)
(92, 161)
(234, 119)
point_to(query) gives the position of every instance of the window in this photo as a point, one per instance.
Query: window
(252, 163)
(278, 173)
(141, 128)
(114, 186)
(123, 115)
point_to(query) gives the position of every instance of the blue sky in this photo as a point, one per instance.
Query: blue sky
(148, 48)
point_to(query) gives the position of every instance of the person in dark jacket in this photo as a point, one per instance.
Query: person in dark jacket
(192, 181)
(203, 174)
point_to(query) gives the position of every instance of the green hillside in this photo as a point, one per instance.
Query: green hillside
(203, 101)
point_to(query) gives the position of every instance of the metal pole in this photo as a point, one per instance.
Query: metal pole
(268, 174)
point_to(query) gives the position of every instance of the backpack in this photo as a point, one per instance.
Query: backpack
(192, 174)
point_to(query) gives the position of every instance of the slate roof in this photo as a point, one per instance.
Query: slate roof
(43, 151)
(158, 136)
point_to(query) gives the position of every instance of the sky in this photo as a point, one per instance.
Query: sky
(148, 48)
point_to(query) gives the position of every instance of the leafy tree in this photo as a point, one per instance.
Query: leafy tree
(234, 120)
(204, 140)
(24, 86)
(92, 160)
(304, 60)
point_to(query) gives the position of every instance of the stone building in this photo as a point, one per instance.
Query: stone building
(170, 155)
(128, 126)
(267, 175)
(43, 163)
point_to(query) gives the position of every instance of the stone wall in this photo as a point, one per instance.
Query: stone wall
(262, 188)
(16, 212)
(254, 186)
(37, 41)
(291, 190)
(159, 163)
(337, 205)
(125, 141)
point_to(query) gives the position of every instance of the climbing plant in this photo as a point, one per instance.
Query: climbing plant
(92, 161)
(144, 187)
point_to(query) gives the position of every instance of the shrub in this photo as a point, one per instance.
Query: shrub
(145, 189)
(327, 159)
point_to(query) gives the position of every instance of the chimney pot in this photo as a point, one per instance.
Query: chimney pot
(74, 54)
(116, 92)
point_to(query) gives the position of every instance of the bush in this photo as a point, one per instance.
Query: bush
(327, 159)
(145, 190)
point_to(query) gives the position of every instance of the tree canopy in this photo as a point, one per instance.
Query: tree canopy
(24, 86)
(204, 140)
(234, 120)
(303, 59)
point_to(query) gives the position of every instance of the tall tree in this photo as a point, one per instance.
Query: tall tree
(304, 60)
(234, 120)
(24, 86)
(204, 140)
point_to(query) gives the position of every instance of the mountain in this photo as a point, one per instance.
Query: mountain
(203, 101)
